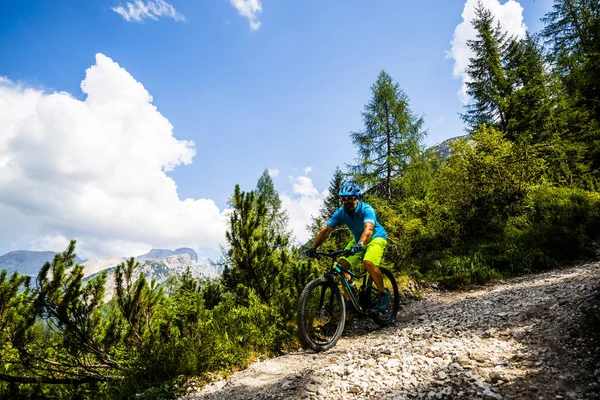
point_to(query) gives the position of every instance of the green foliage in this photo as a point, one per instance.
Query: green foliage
(257, 252)
(391, 137)
(484, 181)
(573, 31)
(276, 218)
(532, 100)
(486, 211)
(489, 85)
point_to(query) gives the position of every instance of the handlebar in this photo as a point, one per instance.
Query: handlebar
(334, 254)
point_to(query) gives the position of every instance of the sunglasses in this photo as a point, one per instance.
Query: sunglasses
(348, 199)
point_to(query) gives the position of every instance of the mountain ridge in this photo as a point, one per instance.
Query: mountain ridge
(29, 262)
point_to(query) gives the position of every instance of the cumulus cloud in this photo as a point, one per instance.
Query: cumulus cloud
(95, 170)
(249, 9)
(304, 202)
(154, 9)
(510, 16)
(274, 172)
(303, 186)
(308, 169)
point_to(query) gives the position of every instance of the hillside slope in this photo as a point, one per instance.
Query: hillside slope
(523, 338)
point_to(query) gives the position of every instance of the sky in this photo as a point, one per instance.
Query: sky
(126, 125)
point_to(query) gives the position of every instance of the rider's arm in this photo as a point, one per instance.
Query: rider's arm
(367, 232)
(322, 235)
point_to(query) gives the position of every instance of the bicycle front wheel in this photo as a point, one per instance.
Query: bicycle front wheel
(388, 315)
(321, 314)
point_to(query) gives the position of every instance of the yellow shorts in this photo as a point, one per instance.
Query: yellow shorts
(373, 251)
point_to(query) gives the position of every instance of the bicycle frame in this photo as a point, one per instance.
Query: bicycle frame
(338, 270)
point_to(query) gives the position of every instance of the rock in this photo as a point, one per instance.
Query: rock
(288, 385)
(495, 377)
(462, 360)
(489, 395)
(355, 389)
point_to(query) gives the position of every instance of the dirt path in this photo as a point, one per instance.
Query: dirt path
(525, 338)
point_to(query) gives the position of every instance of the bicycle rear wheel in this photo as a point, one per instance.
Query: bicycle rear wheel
(387, 316)
(321, 314)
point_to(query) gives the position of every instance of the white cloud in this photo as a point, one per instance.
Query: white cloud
(50, 242)
(510, 16)
(274, 172)
(153, 9)
(304, 202)
(308, 169)
(95, 170)
(303, 186)
(249, 9)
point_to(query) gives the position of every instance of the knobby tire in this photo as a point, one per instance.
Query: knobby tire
(321, 314)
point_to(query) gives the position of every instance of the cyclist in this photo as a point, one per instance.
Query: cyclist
(369, 241)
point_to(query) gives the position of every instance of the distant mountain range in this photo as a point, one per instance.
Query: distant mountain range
(163, 253)
(159, 264)
(27, 262)
(159, 269)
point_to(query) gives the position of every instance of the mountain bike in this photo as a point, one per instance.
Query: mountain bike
(322, 309)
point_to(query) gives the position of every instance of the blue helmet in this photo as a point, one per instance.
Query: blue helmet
(350, 189)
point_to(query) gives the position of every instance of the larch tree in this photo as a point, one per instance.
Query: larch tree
(391, 137)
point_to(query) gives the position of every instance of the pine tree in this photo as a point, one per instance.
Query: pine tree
(573, 30)
(531, 103)
(488, 85)
(136, 299)
(391, 137)
(257, 254)
(70, 345)
(332, 201)
(277, 218)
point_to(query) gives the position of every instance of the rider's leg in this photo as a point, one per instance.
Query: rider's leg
(375, 274)
(346, 265)
(372, 258)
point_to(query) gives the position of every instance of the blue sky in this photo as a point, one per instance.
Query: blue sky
(160, 108)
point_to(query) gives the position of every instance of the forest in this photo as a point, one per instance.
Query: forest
(519, 193)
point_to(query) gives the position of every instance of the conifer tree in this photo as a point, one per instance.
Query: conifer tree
(391, 137)
(531, 103)
(256, 253)
(137, 301)
(71, 345)
(277, 218)
(573, 31)
(488, 85)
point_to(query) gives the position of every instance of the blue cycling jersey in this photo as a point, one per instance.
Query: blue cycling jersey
(356, 223)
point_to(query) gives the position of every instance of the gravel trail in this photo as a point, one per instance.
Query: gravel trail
(532, 337)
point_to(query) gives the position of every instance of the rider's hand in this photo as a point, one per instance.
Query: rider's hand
(312, 252)
(357, 248)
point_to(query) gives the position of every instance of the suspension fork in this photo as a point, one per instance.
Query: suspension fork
(331, 278)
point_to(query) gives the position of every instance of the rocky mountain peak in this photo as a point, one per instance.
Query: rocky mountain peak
(156, 254)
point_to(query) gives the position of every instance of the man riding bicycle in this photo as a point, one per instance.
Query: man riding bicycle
(370, 238)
